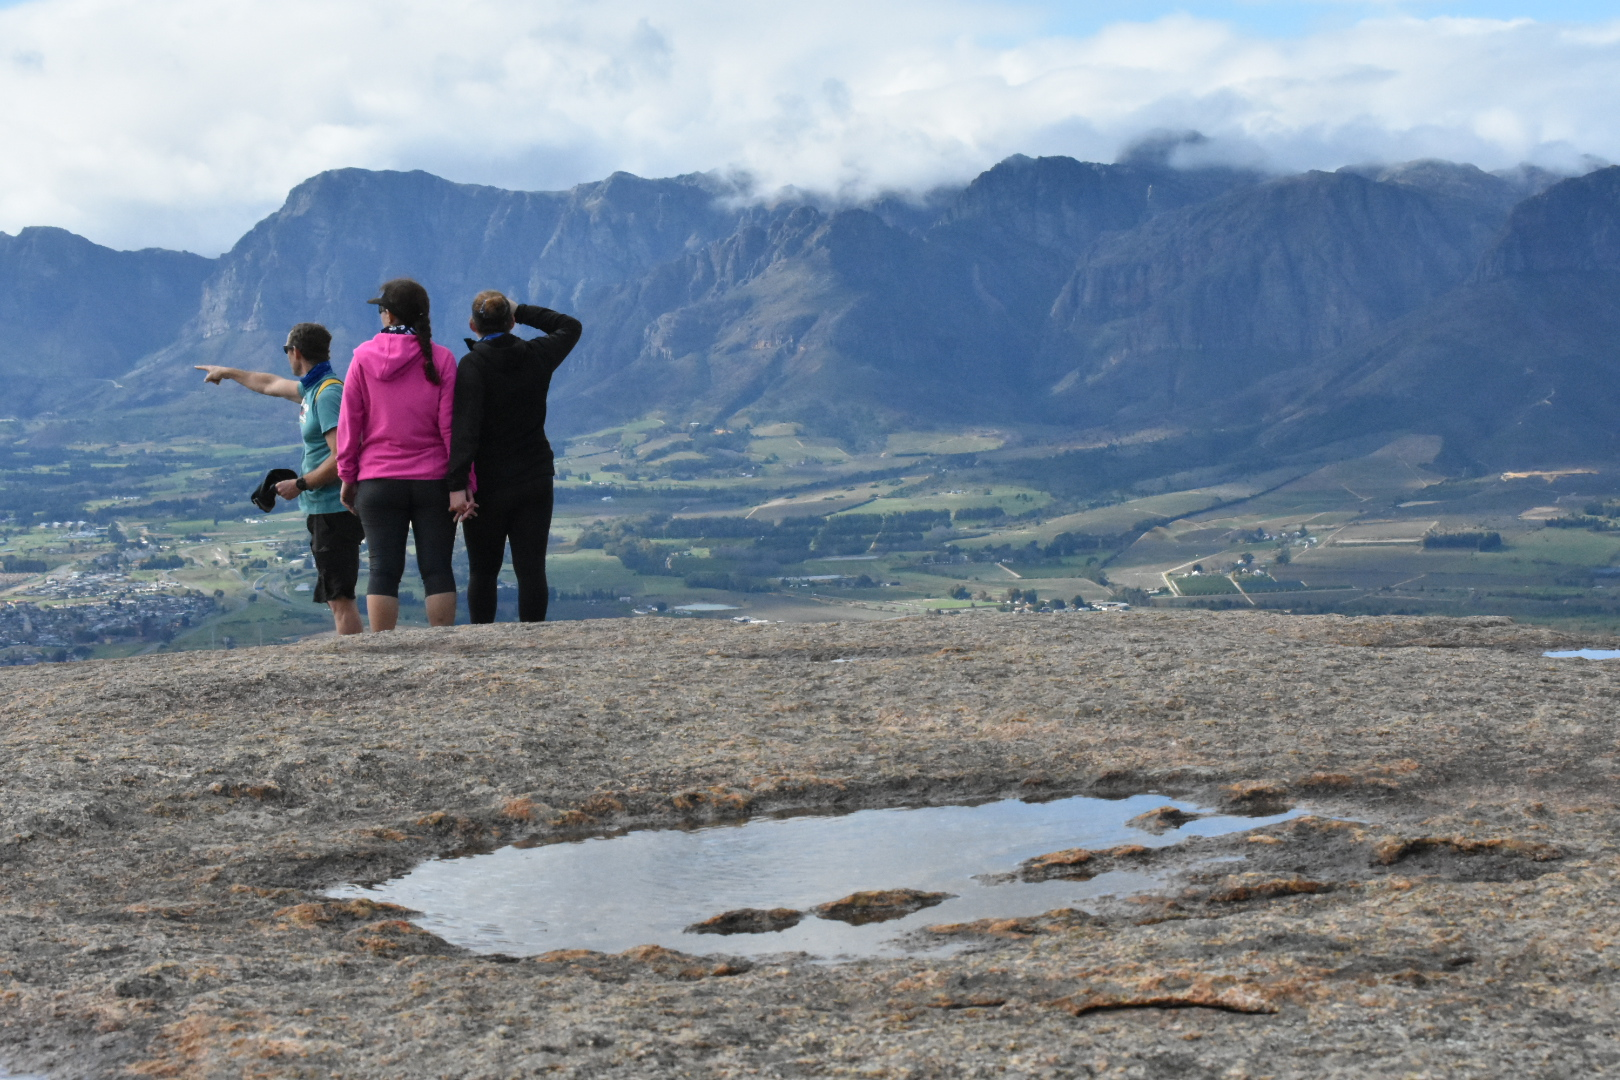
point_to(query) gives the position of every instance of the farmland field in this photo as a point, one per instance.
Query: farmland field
(653, 520)
(1205, 585)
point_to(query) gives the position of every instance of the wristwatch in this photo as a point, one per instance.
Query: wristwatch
(301, 484)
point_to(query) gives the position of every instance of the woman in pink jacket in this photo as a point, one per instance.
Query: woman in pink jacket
(393, 447)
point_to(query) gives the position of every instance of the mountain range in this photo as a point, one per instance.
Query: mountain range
(1048, 297)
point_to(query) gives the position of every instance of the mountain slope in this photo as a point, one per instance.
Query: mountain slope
(809, 316)
(850, 322)
(1522, 363)
(1196, 305)
(72, 312)
(342, 233)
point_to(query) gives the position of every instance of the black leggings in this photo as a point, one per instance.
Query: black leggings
(522, 515)
(389, 509)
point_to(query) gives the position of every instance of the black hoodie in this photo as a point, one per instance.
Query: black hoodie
(500, 417)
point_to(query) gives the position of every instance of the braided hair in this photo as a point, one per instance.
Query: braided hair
(407, 301)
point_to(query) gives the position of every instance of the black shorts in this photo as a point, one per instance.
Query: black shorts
(334, 540)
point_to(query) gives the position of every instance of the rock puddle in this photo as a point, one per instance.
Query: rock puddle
(849, 886)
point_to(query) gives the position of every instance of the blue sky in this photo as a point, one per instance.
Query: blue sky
(1284, 18)
(179, 123)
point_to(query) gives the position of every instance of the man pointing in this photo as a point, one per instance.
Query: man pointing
(334, 532)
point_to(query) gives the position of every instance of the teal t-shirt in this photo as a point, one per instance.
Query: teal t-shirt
(318, 416)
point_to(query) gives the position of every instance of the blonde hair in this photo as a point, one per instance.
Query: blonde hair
(491, 312)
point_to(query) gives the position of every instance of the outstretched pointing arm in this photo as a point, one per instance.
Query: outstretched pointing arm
(260, 382)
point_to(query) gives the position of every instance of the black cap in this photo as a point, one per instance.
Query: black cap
(406, 299)
(264, 496)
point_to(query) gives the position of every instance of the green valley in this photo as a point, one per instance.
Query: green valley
(115, 549)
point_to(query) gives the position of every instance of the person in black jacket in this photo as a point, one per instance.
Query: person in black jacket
(498, 443)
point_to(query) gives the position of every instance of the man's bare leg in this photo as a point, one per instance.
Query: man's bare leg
(345, 615)
(441, 609)
(382, 612)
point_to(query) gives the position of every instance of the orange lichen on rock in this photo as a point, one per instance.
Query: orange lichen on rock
(748, 921)
(716, 798)
(573, 819)
(1165, 993)
(395, 937)
(1253, 795)
(879, 905)
(681, 965)
(518, 809)
(1325, 781)
(563, 956)
(1018, 928)
(1162, 818)
(446, 823)
(602, 804)
(1078, 864)
(314, 914)
(1390, 850)
(1242, 887)
(262, 891)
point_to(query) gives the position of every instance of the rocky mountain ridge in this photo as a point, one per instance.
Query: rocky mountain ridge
(1049, 293)
(73, 312)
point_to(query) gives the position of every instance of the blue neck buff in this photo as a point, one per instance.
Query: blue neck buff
(313, 377)
(492, 337)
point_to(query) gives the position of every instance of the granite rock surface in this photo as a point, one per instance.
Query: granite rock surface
(1447, 907)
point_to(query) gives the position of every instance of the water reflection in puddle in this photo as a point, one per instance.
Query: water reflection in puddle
(1585, 654)
(645, 887)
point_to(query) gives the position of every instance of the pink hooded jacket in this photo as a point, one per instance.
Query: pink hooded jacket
(394, 424)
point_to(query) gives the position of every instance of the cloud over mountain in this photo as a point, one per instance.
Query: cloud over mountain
(179, 122)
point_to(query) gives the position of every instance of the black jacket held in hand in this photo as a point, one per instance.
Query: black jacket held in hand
(500, 414)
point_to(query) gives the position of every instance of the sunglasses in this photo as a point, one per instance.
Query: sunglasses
(287, 349)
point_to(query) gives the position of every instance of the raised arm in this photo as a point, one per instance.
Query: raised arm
(562, 333)
(260, 382)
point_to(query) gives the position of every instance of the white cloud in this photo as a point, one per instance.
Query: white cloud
(180, 122)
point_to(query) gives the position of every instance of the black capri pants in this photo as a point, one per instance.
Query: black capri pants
(389, 510)
(521, 515)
